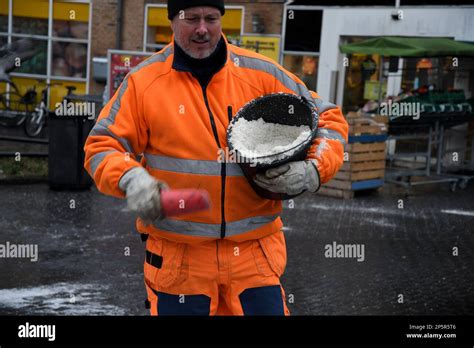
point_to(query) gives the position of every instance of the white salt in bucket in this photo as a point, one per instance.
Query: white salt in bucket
(271, 131)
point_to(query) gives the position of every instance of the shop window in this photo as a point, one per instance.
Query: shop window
(30, 17)
(70, 33)
(69, 59)
(61, 43)
(305, 67)
(158, 31)
(37, 64)
(70, 20)
(428, 73)
(303, 30)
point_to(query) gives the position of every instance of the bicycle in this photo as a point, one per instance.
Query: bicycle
(13, 105)
(36, 120)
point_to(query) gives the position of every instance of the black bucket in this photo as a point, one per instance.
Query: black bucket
(280, 108)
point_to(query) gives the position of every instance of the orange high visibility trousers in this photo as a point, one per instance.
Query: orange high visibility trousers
(219, 277)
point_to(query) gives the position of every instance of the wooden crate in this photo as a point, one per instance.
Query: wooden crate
(369, 125)
(365, 156)
(377, 118)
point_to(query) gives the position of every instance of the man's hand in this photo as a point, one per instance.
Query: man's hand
(143, 194)
(291, 178)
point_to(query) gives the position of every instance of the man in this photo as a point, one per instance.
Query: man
(174, 109)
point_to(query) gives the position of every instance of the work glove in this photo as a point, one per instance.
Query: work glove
(143, 194)
(291, 178)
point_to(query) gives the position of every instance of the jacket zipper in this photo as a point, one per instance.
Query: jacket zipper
(223, 165)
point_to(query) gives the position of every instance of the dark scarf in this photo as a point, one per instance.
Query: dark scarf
(202, 69)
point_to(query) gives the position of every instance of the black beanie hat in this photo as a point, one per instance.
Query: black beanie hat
(174, 6)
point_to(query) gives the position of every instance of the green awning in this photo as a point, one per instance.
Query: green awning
(399, 46)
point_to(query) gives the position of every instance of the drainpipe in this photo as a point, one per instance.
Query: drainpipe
(118, 34)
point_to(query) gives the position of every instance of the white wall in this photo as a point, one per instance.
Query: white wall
(455, 22)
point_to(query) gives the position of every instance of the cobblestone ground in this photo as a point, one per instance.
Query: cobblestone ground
(83, 237)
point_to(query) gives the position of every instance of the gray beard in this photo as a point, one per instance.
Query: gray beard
(195, 57)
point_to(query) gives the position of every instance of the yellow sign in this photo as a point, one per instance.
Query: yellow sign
(269, 46)
(371, 90)
(62, 10)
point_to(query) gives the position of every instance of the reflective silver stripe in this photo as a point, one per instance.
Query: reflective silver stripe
(98, 158)
(325, 106)
(153, 59)
(330, 134)
(179, 165)
(247, 225)
(199, 229)
(233, 169)
(272, 69)
(102, 127)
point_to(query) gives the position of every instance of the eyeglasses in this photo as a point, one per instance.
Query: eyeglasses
(195, 19)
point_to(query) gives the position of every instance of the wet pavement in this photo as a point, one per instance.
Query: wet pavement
(408, 267)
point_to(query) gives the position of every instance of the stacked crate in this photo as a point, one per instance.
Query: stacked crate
(364, 157)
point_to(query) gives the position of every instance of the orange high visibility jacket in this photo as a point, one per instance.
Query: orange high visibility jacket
(179, 127)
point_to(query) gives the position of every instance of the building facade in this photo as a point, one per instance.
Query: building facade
(71, 33)
(304, 36)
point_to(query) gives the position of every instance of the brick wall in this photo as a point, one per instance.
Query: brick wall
(104, 24)
(134, 20)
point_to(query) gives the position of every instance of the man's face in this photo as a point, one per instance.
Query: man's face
(197, 30)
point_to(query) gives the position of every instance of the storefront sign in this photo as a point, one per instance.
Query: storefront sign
(269, 46)
(371, 90)
(119, 65)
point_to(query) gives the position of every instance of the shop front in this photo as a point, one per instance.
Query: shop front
(385, 69)
(317, 28)
(61, 32)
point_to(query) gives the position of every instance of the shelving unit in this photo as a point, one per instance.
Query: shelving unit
(432, 129)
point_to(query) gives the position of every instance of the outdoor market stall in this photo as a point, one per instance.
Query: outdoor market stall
(439, 110)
